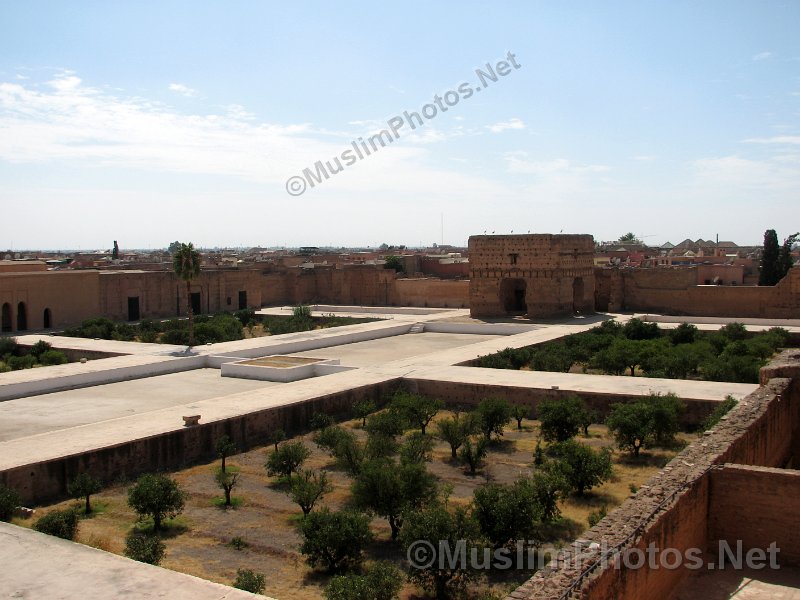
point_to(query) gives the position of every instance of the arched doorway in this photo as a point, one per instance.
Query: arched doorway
(22, 317)
(577, 295)
(47, 319)
(6, 317)
(512, 296)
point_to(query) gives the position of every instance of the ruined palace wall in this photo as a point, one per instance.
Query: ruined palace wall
(671, 509)
(71, 296)
(757, 505)
(439, 293)
(674, 291)
(163, 294)
(548, 264)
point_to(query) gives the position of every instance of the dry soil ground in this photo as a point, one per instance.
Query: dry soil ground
(266, 519)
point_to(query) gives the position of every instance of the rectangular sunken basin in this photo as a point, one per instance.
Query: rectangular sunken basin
(279, 367)
(281, 361)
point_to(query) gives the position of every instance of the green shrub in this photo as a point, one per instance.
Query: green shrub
(84, 486)
(330, 437)
(362, 409)
(320, 420)
(53, 357)
(456, 429)
(144, 548)
(473, 453)
(148, 336)
(8, 345)
(414, 409)
(17, 363)
(238, 543)
(156, 496)
(722, 409)
(40, 348)
(734, 331)
(334, 539)
(581, 467)
(250, 581)
(506, 513)
(307, 487)
(287, 459)
(177, 337)
(685, 333)
(494, 414)
(561, 418)
(388, 422)
(382, 581)
(246, 316)
(9, 501)
(60, 523)
(596, 516)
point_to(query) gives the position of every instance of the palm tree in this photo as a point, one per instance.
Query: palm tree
(186, 264)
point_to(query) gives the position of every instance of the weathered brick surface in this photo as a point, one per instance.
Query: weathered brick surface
(675, 291)
(672, 509)
(757, 505)
(548, 264)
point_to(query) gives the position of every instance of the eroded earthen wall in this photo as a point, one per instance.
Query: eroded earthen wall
(674, 291)
(557, 271)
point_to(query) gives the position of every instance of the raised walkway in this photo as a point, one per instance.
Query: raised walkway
(38, 566)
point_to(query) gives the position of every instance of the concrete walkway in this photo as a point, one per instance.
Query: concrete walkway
(39, 566)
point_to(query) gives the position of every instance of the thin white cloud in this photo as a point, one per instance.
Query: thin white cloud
(183, 90)
(69, 122)
(761, 56)
(514, 123)
(776, 139)
(518, 164)
(740, 173)
(644, 158)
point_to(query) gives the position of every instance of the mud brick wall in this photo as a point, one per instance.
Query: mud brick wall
(675, 291)
(757, 505)
(548, 264)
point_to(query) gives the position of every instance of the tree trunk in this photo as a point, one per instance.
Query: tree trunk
(633, 371)
(189, 311)
(227, 496)
(88, 506)
(156, 522)
(453, 452)
(223, 463)
(395, 527)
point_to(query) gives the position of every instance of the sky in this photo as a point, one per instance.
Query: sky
(153, 121)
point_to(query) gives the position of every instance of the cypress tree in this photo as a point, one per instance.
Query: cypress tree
(768, 274)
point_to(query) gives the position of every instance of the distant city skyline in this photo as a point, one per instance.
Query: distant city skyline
(152, 122)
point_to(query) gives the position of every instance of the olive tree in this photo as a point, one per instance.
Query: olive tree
(156, 496)
(83, 486)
